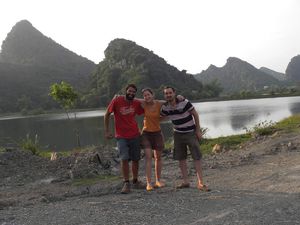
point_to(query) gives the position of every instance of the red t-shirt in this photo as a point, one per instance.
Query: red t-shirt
(124, 113)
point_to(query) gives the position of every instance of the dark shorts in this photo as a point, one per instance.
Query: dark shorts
(153, 140)
(183, 142)
(129, 149)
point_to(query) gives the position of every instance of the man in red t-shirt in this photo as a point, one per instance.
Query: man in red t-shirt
(127, 133)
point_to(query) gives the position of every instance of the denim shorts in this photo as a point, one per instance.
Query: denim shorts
(183, 142)
(129, 149)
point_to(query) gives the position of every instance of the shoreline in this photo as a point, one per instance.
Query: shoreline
(60, 111)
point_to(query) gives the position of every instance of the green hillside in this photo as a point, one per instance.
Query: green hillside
(126, 62)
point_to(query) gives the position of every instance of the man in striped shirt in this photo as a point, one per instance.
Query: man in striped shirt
(187, 134)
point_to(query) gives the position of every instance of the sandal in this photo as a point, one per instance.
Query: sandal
(183, 185)
(159, 184)
(149, 187)
(203, 188)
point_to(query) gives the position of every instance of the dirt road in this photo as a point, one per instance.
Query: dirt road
(258, 184)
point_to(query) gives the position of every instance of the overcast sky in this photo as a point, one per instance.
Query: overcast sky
(189, 34)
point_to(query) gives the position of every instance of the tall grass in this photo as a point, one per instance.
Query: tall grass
(31, 144)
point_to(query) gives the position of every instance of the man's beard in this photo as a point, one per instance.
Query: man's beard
(129, 97)
(169, 99)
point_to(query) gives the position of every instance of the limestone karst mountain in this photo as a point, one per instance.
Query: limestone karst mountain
(126, 62)
(237, 75)
(30, 62)
(293, 69)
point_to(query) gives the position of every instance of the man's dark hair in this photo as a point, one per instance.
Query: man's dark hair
(167, 87)
(131, 85)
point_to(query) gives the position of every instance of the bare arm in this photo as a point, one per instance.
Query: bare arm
(163, 118)
(197, 122)
(107, 132)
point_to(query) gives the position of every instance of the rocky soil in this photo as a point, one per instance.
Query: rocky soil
(257, 184)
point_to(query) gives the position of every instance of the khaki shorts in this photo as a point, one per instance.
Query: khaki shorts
(183, 142)
(152, 140)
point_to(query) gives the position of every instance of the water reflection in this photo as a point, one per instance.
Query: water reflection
(56, 132)
(232, 117)
(294, 107)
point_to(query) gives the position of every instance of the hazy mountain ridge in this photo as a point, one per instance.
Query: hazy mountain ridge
(237, 75)
(30, 62)
(277, 75)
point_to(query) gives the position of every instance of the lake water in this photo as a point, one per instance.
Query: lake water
(222, 118)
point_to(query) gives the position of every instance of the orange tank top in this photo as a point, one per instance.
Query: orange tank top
(152, 117)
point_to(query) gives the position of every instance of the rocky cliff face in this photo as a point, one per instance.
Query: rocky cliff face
(277, 75)
(126, 62)
(293, 69)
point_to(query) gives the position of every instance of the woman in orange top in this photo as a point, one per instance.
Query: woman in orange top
(152, 138)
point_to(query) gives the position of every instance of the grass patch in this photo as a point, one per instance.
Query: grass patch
(262, 128)
(228, 142)
(31, 144)
(47, 154)
(290, 124)
(2, 149)
(91, 181)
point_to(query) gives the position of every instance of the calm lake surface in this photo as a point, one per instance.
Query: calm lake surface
(222, 118)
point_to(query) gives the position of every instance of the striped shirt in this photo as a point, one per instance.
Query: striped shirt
(180, 115)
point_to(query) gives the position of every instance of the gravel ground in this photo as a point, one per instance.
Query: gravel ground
(258, 184)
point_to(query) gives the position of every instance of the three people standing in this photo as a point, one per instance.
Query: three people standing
(186, 134)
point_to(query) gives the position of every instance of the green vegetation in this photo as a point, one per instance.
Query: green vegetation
(47, 154)
(2, 149)
(228, 142)
(262, 128)
(64, 94)
(31, 144)
(270, 92)
(290, 124)
(91, 181)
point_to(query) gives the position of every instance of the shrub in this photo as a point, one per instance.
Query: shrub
(31, 144)
(262, 128)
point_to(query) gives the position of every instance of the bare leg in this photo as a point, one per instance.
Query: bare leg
(158, 164)
(125, 170)
(135, 169)
(148, 154)
(183, 168)
(198, 168)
